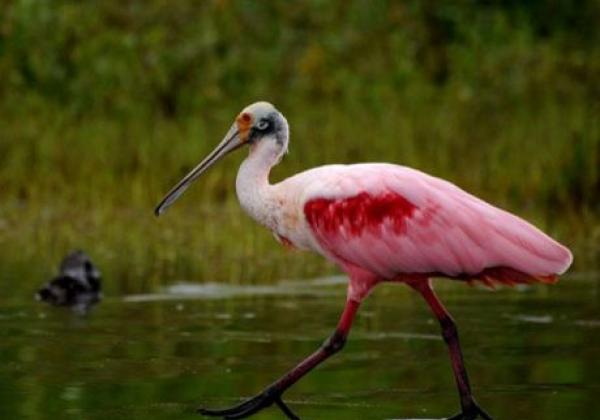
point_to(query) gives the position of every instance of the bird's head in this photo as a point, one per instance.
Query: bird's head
(260, 126)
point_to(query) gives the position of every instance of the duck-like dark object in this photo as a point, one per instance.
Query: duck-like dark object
(77, 284)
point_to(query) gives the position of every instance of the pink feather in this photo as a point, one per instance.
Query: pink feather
(392, 220)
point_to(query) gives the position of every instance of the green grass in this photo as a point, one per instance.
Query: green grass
(103, 108)
(93, 183)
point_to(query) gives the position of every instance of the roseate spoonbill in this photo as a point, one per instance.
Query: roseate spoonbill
(380, 223)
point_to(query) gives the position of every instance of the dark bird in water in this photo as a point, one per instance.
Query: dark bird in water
(77, 283)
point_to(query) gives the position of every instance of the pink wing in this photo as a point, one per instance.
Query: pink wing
(391, 220)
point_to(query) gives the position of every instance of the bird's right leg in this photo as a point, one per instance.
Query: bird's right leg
(272, 394)
(470, 408)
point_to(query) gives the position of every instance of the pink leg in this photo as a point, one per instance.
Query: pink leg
(470, 409)
(272, 394)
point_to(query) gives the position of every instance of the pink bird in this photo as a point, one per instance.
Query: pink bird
(379, 223)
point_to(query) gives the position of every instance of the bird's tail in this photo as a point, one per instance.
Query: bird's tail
(493, 276)
(530, 255)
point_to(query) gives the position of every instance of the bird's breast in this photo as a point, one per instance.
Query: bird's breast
(285, 241)
(289, 224)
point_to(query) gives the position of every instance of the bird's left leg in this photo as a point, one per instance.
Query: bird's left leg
(470, 409)
(272, 394)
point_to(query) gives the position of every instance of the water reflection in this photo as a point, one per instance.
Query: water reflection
(532, 353)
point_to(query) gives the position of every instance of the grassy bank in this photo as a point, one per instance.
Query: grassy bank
(92, 183)
(104, 107)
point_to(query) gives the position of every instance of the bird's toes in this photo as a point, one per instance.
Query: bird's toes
(472, 413)
(252, 406)
(227, 412)
(245, 409)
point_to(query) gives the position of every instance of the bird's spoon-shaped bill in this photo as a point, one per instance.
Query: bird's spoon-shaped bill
(230, 142)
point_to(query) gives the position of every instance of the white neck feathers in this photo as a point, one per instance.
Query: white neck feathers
(252, 184)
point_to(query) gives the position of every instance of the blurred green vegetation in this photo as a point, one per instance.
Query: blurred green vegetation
(104, 105)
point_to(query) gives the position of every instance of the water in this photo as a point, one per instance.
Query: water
(532, 352)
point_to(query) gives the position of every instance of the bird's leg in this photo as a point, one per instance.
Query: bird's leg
(470, 409)
(272, 394)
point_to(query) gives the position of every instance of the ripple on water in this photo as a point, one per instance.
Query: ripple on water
(589, 323)
(532, 319)
(317, 287)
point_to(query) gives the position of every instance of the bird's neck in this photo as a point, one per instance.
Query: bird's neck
(254, 191)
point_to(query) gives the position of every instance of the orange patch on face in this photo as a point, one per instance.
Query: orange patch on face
(244, 123)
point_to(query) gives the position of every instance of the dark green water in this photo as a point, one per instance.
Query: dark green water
(532, 353)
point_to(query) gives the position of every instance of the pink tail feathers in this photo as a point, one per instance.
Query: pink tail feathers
(510, 277)
(526, 255)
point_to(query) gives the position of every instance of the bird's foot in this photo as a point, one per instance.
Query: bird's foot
(471, 412)
(251, 406)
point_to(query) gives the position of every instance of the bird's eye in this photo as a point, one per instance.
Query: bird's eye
(263, 125)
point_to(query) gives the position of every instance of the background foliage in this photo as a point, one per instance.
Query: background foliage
(103, 105)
